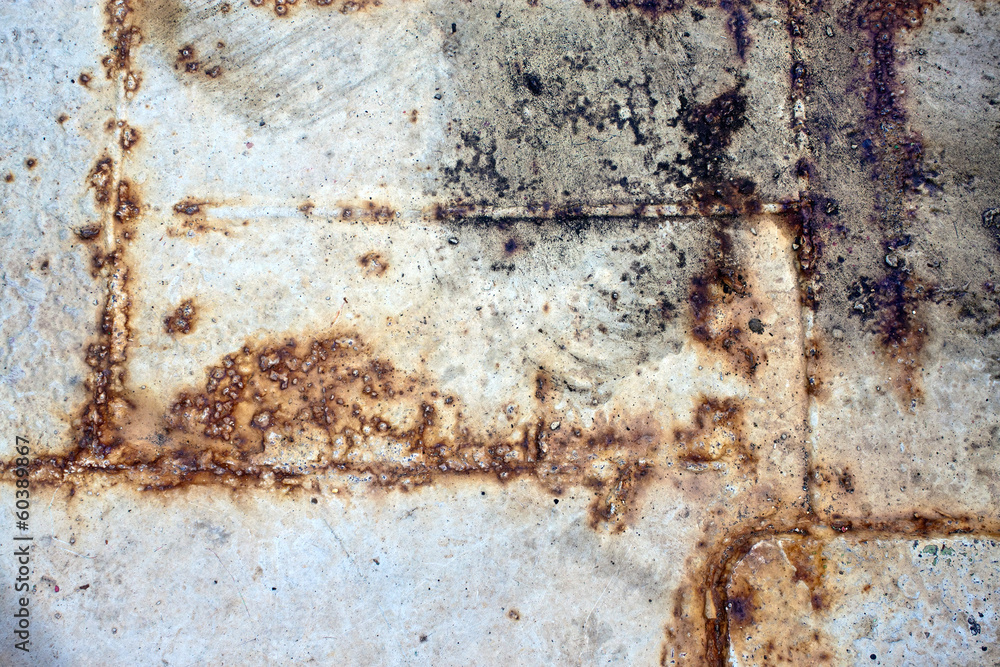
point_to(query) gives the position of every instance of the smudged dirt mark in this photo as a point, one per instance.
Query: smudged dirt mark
(182, 320)
(770, 626)
(373, 263)
(737, 24)
(481, 165)
(123, 36)
(722, 302)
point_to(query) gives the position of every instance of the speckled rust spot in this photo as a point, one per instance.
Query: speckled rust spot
(374, 264)
(128, 137)
(101, 179)
(369, 211)
(182, 320)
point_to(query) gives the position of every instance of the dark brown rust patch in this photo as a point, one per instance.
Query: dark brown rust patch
(722, 304)
(127, 209)
(62, 118)
(123, 35)
(128, 137)
(85, 79)
(356, 413)
(704, 171)
(359, 408)
(373, 263)
(101, 179)
(9, 177)
(30, 163)
(182, 320)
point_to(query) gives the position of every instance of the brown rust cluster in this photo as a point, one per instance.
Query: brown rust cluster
(123, 35)
(186, 61)
(182, 320)
(363, 417)
(373, 263)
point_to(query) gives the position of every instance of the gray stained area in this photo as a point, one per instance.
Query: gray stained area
(545, 332)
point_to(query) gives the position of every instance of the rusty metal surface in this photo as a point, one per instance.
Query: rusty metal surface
(541, 332)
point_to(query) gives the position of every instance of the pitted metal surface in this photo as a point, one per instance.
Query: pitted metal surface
(561, 332)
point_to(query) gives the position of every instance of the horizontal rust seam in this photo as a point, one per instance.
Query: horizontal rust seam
(540, 212)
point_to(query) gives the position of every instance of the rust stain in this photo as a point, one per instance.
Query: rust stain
(101, 180)
(182, 320)
(715, 434)
(123, 35)
(89, 233)
(284, 8)
(722, 304)
(374, 264)
(128, 137)
(361, 417)
(368, 211)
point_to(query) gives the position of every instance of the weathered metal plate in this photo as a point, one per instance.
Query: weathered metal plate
(548, 332)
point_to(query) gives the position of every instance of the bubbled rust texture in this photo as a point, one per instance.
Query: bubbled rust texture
(658, 261)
